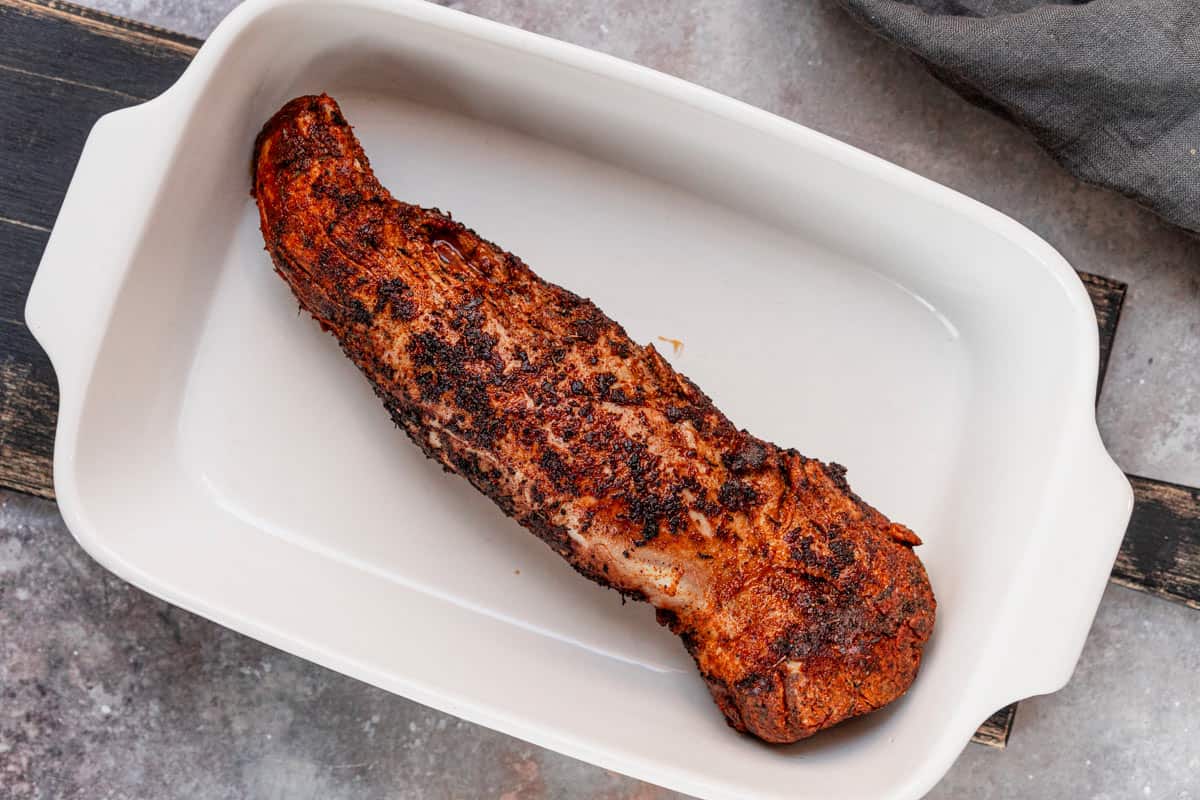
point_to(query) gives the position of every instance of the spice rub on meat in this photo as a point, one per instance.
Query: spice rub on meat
(801, 604)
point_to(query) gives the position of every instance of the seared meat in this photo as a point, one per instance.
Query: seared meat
(801, 604)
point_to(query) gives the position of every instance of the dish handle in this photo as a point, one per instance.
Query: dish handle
(1060, 592)
(92, 242)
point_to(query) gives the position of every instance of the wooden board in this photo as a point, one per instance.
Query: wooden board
(62, 67)
(1161, 551)
(996, 729)
(1107, 298)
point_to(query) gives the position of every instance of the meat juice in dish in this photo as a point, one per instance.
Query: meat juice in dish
(801, 604)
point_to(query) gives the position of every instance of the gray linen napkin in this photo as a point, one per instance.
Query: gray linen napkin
(1111, 88)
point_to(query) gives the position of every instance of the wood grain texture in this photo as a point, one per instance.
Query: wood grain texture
(51, 103)
(1161, 550)
(61, 68)
(52, 100)
(107, 24)
(90, 47)
(28, 390)
(1108, 297)
(996, 729)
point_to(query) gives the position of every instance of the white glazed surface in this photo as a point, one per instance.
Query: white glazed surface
(215, 448)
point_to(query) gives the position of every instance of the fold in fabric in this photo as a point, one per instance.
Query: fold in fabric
(1111, 88)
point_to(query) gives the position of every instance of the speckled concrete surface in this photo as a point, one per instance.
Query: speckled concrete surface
(107, 692)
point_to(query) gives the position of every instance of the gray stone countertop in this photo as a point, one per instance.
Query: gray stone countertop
(107, 692)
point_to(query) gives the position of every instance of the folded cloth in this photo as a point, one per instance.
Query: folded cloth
(1111, 88)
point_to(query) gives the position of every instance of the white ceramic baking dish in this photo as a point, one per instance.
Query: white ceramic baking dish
(217, 450)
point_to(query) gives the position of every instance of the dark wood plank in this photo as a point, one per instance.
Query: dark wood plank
(1161, 550)
(1108, 296)
(20, 247)
(996, 729)
(61, 68)
(91, 48)
(28, 390)
(52, 101)
(41, 138)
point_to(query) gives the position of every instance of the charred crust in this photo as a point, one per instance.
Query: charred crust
(736, 495)
(551, 534)
(749, 457)
(394, 295)
(806, 554)
(587, 330)
(603, 382)
(358, 313)
(755, 684)
(556, 469)
(677, 413)
(837, 474)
